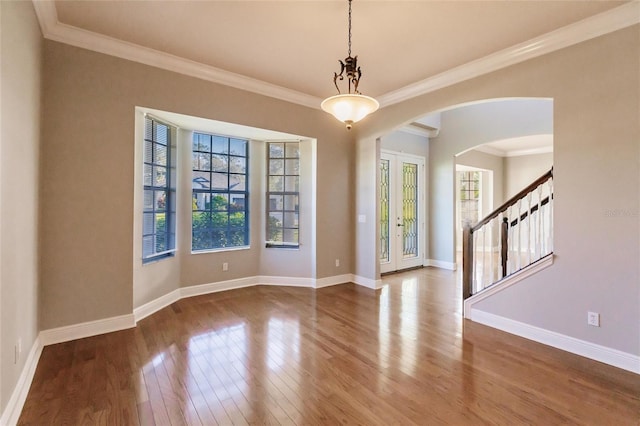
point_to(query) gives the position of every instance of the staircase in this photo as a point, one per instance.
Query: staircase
(510, 242)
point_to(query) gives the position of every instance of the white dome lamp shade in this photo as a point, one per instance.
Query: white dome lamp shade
(349, 107)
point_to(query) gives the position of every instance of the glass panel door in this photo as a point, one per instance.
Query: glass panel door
(401, 211)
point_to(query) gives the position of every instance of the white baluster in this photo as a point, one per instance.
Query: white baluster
(529, 229)
(519, 260)
(491, 255)
(538, 223)
(550, 249)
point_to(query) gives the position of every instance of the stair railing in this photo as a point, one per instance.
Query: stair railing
(512, 237)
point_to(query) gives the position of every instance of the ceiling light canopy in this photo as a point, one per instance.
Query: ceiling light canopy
(349, 107)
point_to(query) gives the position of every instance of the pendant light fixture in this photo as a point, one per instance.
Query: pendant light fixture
(349, 107)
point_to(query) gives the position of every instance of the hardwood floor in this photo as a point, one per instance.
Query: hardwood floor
(401, 355)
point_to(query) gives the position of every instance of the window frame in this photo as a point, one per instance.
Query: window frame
(284, 193)
(169, 189)
(228, 229)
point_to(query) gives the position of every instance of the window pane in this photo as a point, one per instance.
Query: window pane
(290, 236)
(148, 151)
(160, 155)
(237, 182)
(220, 145)
(201, 161)
(160, 222)
(275, 202)
(238, 147)
(291, 183)
(237, 219)
(291, 220)
(201, 201)
(159, 176)
(200, 221)
(275, 219)
(276, 183)
(146, 175)
(147, 224)
(162, 134)
(201, 180)
(160, 200)
(147, 246)
(202, 143)
(148, 200)
(201, 239)
(276, 167)
(292, 150)
(238, 165)
(236, 237)
(274, 234)
(276, 150)
(148, 129)
(220, 202)
(220, 163)
(291, 202)
(219, 181)
(237, 203)
(293, 167)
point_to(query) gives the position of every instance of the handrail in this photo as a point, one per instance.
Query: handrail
(513, 200)
(514, 203)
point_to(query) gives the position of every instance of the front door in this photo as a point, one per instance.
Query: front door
(401, 211)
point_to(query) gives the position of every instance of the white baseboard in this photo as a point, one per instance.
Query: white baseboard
(86, 329)
(197, 290)
(155, 305)
(367, 282)
(335, 280)
(286, 281)
(451, 266)
(15, 404)
(610, 356)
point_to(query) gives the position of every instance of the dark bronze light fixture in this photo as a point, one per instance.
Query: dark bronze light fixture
(349, 107)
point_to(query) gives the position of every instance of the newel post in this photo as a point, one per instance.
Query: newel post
(467, 260)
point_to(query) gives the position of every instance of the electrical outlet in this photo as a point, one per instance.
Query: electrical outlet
(337, 262)
(593, 318)
(225, 266)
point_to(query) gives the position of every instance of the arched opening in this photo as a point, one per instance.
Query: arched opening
(504, 143)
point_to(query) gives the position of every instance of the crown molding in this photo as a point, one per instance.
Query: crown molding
(595, 26)
(532, 151)
(54, 30)
(490, 150)
(587, 29)
(513, 153)
(420, 130)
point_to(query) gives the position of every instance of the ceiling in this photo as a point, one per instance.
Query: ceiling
(296, 45)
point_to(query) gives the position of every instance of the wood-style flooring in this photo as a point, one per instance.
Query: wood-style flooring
(401, 355)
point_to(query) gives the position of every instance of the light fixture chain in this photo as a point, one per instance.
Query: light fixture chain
(349, 28)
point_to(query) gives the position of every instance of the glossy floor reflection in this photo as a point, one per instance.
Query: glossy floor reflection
(339, 355)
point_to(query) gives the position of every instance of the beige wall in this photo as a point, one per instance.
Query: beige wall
(88, 149)
(596, 246)
(522, 170)
(19, 145)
